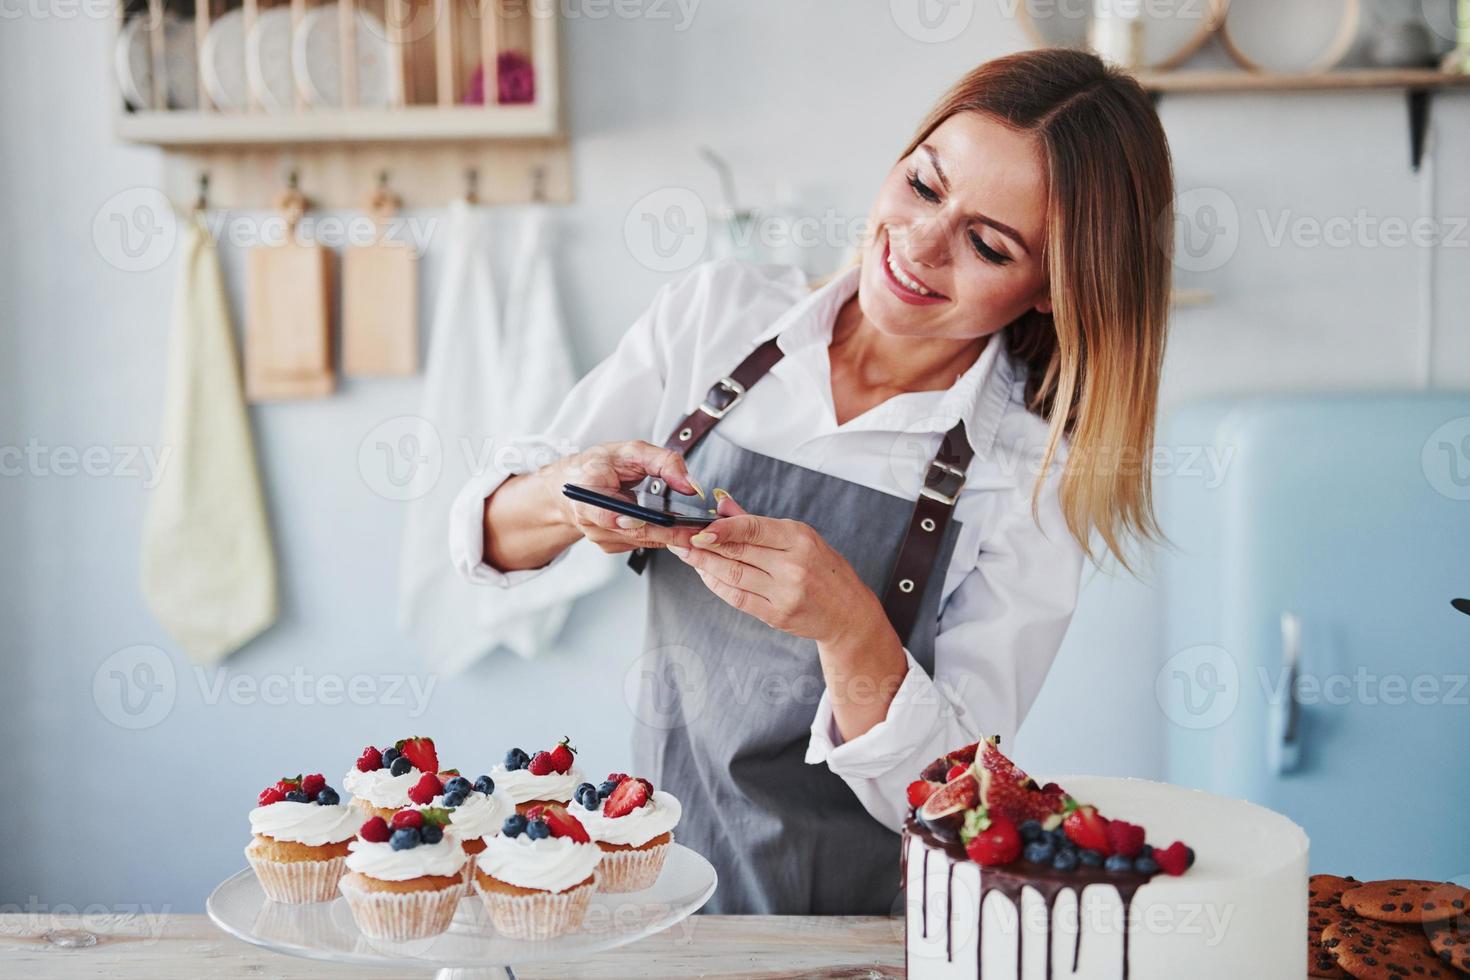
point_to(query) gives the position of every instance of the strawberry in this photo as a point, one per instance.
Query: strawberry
(563, 824)
(955, 770)
(1086, 828)
(647, 786)
(313, 784)
(919, 791)
(1173, 859)
(629, 796)
(286, 784)
(991, 839)
(425, 789)
(562, 756)
(420, 753)
(375, 831)
(1126, 838)
(407, 818)
(269, 795)
(370, 760)
(541, 764)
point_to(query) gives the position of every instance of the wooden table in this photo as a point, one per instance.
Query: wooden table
(165, 947)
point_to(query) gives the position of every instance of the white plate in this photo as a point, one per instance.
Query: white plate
(1290, 35)
(1172, 29)
(133, 60)
(268, 60)
(222, 62)
(316, 56)
(326, 931)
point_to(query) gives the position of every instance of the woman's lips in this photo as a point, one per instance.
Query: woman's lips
(901, 289)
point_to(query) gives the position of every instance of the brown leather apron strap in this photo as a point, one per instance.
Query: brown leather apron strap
(943, 480)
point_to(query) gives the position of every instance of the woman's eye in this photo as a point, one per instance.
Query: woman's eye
(922, 189)
(986, 252)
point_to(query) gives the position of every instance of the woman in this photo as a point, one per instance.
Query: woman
(973, 399)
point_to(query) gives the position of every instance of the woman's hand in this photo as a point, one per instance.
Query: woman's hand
(617, 466)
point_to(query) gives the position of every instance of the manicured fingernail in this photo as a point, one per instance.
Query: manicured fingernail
(630, 523)
(721, 495)
(703, 539)
(697, 488)
(681, 552)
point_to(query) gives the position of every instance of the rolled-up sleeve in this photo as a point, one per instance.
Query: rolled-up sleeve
(998, 633)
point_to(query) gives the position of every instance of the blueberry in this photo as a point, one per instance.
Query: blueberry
(457, 784)
(1089, 857)
(587, 796)
(514, 825)
(605, 790)
(1188, 856)
(516, 759)
(1145, 865)
(1059, 838)
(400, 766)
(485, 785)
(537, 829)
(1031, 830)
(1118, 863)
(431, 833)
(1040, 852)
(328, 797)
(296, 796)
(1065, 860)
(1146, 851)
(454, 799)
(388, 756)
(404, 838)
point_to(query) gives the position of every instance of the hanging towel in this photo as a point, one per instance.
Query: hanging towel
(208, 570)
(492, 376)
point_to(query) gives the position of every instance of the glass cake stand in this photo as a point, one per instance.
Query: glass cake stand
(471, 949)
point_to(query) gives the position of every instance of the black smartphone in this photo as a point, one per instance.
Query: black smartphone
(645, 506)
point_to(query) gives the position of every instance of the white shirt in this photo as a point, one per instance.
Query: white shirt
(1012, 581)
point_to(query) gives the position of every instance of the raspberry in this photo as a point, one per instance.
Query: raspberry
(375, 830)
(269, 795)
(1126, 838)
(1173, 859)
(313, 784)
(408, 818)
(370, 760)
(424, 791)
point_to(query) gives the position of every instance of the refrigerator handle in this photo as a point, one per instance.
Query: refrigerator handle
(1284, 740)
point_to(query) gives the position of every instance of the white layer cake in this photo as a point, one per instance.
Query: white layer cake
(1240, 911)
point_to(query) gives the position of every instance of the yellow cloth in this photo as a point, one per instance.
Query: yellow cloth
(208, 566)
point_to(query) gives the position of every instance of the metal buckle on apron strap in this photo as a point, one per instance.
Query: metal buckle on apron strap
(943, 482)
(722, 396)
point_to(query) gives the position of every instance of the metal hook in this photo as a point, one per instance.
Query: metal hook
(293, 180)
(202, 201)
(472, 185)
(538, 185)
(382, 180)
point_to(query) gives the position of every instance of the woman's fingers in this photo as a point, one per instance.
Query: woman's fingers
(747, 602)
(736, 574)
(636, 460)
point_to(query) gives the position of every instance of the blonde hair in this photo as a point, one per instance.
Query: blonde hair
(1093, 363)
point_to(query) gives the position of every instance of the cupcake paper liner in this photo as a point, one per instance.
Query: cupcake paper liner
(401, 916)
(299, 882)
(632, 870)
(543, 915)
(469, 876)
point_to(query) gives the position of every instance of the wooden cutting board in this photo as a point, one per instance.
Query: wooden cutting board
(288, 341)
(380, 334)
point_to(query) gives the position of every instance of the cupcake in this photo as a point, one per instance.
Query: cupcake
(404, 879)
(409, 763)
(632, 825)
(301, 834)
(535, 780)
(537, 876)
(476, 811)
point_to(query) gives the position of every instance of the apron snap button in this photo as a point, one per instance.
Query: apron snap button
(906, 585)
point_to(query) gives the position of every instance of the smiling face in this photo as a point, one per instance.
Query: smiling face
(958, 249)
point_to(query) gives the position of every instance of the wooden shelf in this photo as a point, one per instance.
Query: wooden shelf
(1346, 79)
(198, 129)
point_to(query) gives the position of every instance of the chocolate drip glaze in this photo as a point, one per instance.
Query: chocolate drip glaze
(1046, 880)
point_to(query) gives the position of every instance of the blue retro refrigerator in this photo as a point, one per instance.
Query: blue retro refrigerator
(1313, 660)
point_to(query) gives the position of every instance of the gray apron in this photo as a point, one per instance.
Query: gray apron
(736, 699)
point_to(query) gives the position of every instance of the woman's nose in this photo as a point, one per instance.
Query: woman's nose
(927, 242)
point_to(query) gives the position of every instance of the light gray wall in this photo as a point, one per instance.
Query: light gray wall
(816, 98)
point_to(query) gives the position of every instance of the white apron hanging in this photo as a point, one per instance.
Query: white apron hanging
(208, 568)
(489, 379)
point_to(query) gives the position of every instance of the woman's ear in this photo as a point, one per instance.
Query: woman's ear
(1043, 305)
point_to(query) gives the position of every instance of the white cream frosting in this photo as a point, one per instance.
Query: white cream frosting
(359, 783)
(391, 792)
(305, 823)
(479, 815)
(445, 859)
(657, 816)
(522, 785)
(551, 864)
